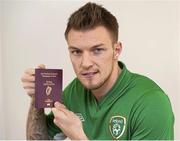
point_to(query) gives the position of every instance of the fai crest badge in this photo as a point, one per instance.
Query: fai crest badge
(117, 126)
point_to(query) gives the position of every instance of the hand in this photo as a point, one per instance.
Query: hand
(68, 122)
(28, 80)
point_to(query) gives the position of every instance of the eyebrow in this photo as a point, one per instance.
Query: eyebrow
(98, 45)
(72, 47)
(95, 46)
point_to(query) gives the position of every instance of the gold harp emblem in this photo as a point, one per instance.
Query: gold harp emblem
(48, 90)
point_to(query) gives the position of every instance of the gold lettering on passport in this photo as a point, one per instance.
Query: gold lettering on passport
(48, 83)
(44, 74)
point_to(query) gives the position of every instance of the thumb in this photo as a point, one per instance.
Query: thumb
(41, 66)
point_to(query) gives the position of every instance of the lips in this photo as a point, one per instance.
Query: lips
(89, 74)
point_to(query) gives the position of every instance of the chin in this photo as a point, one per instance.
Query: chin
(91, 87)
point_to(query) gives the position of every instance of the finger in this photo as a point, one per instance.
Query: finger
(27, 85)
(30, 91)
(31, 95)
(30, 71)
(59, 106)
(58, 113)
(28, 78)
(59, 116)
(41, 66)
(55, 121)
(53, 110)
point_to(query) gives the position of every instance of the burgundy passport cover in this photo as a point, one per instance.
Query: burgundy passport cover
(48, 87)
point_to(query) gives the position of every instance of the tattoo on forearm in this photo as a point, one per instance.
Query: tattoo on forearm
(36, 124)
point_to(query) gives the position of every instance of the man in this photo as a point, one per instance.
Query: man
(106, 101)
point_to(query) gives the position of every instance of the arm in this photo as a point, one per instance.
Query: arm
(36, 124)
(68, 122)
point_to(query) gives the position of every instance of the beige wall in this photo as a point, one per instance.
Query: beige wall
(33, 34)
(178, 95)
(2, 131)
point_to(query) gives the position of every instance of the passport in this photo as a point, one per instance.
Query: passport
(48, 87)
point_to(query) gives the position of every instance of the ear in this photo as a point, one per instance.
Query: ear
(117, 50)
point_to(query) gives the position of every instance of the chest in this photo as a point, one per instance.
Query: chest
(107, 122)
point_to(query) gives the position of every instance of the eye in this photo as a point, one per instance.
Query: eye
(98, 50)
(76, 52)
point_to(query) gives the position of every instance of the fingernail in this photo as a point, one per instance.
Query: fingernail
(56, 104)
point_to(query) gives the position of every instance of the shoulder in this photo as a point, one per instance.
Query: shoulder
(152, 113)
(153, 99)
(144, 82)
(141, 87)
(149, 93)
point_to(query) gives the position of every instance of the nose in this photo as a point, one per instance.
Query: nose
(86, 61)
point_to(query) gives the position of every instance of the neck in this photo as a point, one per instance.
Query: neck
(103, 90)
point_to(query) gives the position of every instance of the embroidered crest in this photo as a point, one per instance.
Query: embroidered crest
(117, 126)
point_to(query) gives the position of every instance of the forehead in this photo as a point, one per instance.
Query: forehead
(89, 37)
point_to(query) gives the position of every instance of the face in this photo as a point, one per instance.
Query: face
(93, 56)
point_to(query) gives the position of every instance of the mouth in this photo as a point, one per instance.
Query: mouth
(89, 74)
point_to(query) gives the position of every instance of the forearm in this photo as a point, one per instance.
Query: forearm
(36, 124)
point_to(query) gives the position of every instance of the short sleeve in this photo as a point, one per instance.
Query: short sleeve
(152, 118)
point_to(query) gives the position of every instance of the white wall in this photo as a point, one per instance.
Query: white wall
(178, 95)
(2, 132)
(33, 33)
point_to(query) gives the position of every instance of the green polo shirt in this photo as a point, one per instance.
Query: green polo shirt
(134, 108)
